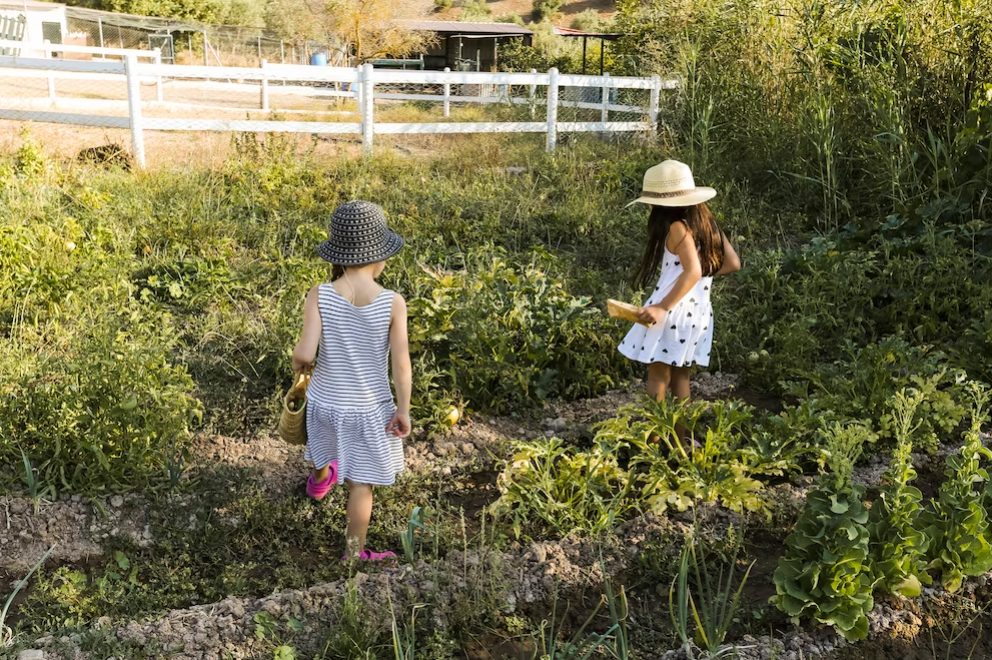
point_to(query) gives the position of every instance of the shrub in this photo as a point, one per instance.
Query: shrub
(475, 10)
(96, 405)
(546, 9)
(503, 332)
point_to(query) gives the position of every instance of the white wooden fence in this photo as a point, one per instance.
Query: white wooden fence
(598, 94)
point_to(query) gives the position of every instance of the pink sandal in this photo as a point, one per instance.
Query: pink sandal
(371, 555)
(319, 491)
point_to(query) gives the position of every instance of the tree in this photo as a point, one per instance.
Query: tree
(369, 26)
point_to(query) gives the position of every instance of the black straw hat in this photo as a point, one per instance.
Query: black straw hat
(359, 236)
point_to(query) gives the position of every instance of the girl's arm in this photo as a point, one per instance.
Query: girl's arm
(692, 272)
(399, 350)
(306, 348)
(731, 262)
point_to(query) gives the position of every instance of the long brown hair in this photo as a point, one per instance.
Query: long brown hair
(705, 232)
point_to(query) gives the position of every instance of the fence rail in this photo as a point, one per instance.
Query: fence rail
(591, 100)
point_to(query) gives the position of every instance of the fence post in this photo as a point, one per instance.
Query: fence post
(265, 86)
(604, 114)
(51, 73)
(552, 141)
(367, 104)
(655, 102)
(134, 109)
(159, 94)
(447, 94)
(532, 94)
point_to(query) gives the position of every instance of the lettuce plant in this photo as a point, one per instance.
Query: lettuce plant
(825, 573)
(958, 523)
(898, 545)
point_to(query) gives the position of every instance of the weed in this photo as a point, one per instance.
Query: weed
(6, 634)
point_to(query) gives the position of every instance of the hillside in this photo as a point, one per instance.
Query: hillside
(500, 8)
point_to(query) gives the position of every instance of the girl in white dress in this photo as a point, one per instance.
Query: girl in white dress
(687, 248)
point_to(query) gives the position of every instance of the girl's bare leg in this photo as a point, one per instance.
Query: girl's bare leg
(359, 513)
(680, 382)
(320, 474)
(680, 389)
(658, 376)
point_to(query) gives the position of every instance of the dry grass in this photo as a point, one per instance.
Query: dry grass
(522, 8)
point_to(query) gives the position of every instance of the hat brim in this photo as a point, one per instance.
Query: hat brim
(690, 198)
(329, 251)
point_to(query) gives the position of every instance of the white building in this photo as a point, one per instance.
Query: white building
(42, 21)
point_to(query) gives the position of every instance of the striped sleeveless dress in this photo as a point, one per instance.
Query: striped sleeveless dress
(349, 401)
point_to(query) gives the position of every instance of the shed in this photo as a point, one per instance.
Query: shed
(585, 36)
(35, 22)
(467, 46)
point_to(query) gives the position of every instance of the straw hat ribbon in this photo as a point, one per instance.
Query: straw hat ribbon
(671, 184)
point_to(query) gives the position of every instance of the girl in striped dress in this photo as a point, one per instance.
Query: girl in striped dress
(351, 328)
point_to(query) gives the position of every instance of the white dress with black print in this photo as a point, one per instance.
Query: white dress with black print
(684, 337)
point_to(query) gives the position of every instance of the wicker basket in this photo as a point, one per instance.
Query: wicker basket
(293, 420)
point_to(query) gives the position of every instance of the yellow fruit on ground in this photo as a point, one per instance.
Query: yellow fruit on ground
(454, 414)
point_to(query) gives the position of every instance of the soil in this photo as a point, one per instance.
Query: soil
(539, 576)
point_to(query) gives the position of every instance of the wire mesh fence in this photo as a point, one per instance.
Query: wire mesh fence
(182, 42)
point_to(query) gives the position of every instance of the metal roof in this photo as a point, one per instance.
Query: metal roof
(569, 32)
(29, 4)
(134, 20)
(467, 28)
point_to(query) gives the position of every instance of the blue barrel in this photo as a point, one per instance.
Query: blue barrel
(318, 59)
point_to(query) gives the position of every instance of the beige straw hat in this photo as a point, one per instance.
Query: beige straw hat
(671, 184)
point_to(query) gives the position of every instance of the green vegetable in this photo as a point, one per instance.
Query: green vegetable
(825, 573)
(958, 523)
(898, 546)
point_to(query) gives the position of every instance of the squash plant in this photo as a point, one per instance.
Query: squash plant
(825, 573)
(958, 523)
(673, 474)
(898, 545)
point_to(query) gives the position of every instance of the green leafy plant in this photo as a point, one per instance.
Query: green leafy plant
(868, 377)
(538, 339)
(958, 523)
(410, 538)
(564, 489)
(670, 471)
(898, 545)
(825, 573)
(703, 602)
(101, 408)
